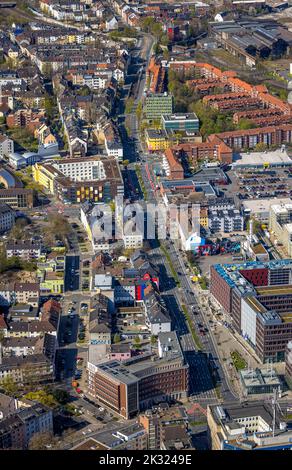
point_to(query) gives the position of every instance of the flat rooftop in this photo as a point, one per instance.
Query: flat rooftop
(231, 273)
(274, 290)
(253, 159)
(89, 444)
(180, 117)
(234, 412)
(259, 377)
(263, 205)
(156, 134)
(255, 304)
(259, 249)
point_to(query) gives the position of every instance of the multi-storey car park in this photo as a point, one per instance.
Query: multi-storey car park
(258, 297)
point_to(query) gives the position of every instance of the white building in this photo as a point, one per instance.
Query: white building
(96, 82)
(114, 149)
(6, 146)
(24, 249)
(157, 316)
(79, 169)
(133, 228)
(98, 226)
(111, 24)
(7, 218)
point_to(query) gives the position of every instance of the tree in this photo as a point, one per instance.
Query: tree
(126, 162)
(41, 396)
(203, 283)
(166, 54)
(256, 226)
(50, 106)
(139, 111)
(245, 124)
(261, 147)
(137, 342)
(47, 71)
(9, 386)
(157, 49)
(191, 257)
(59, 225)
(153, 340)
(41, 441)
(17, 231)
(129, 105)
(84, 91)
(61, 396)
(117, 338)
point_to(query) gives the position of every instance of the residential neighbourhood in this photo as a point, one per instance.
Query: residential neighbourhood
(145, 226)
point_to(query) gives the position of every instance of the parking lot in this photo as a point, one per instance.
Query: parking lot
(206, 261)
(261, 183)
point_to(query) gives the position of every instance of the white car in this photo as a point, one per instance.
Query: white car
(100, 409)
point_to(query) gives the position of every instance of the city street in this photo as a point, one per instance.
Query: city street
(72, 272)
(202, 383)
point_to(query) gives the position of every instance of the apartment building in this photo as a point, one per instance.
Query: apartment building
(112, 140)
(17, 429)
(171, 165)
(22, 346)
(225, 220)
(6, 146)
(77, 180)
(128, 387)
(216, 150)
(251, 137)
(156, 420)
(27, 369)
(98, 224)
(25, 118)
(132, 437)
(24, 249)
(132, 234)
(7, 218)
(23, 293)
(156, 140)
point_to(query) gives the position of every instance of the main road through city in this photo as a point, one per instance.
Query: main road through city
(202, 385)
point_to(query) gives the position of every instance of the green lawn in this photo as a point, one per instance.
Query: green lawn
(141, 182)
(173, 271)
(238, 361)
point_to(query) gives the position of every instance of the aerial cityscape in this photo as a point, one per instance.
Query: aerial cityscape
(145, 226)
